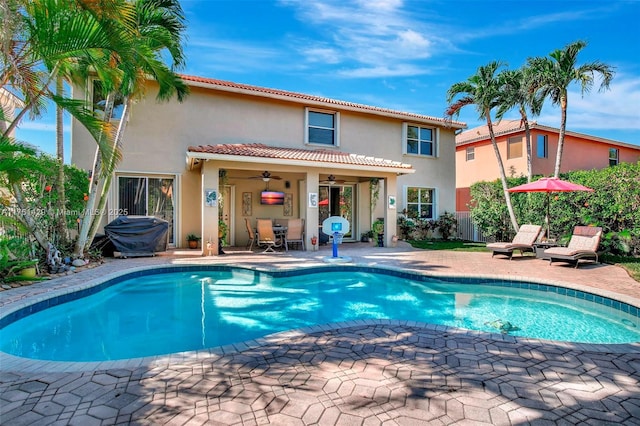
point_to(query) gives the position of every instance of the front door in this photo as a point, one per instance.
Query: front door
(338, 200)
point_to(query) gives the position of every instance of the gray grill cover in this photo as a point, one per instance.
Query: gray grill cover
(138, 234)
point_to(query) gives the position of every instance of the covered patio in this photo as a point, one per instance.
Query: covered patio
(252, 181)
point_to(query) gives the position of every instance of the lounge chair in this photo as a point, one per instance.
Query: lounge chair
(252, 235)
(583, 245)
(266, 236)
(523, 242)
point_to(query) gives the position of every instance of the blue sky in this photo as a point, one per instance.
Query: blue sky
(404, 55)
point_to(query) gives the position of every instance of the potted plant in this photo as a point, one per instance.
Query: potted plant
(366, 236)
(192, 240)
(378, 230)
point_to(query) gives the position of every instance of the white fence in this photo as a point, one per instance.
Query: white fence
(467, 230)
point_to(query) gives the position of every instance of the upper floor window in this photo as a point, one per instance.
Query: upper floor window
(542, 146)
(99, 101)
(471, 154)
(322, 127)
(514, 148)
(420, 203)
(420, 140)
(614, 156)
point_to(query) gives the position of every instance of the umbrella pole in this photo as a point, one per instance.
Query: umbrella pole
(548, 217)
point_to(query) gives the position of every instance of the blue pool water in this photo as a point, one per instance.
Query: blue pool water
(183, 311)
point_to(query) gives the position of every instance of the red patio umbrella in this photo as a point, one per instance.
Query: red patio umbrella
(549, 185)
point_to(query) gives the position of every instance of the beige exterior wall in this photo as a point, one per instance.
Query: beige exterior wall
(158, 135)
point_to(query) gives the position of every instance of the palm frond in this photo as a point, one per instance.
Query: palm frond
(101, 131)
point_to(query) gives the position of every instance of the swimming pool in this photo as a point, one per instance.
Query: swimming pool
(169, 310)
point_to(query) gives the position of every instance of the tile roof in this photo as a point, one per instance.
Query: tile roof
(482, 132)
(312, 155)
(303, 98)
(506, 127)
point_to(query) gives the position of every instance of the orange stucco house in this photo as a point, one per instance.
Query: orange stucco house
(476, 160)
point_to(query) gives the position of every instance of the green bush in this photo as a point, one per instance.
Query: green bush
(614, 205)
(446, 224)
(41, 195)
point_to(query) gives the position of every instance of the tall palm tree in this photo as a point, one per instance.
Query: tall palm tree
(515, 92)
(552, 77)
(483, 90)
(158, 34)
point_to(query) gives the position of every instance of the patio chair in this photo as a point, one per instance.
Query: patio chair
(295, 233)
(583, 245)
(266, 236)
(252, 235)
(523, 242)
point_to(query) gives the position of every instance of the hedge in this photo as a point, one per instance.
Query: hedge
(614, 205)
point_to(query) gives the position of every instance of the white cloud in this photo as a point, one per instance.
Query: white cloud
(400, 70)
(232, 56)
(368, 38)
(614, 109)
(39, 126)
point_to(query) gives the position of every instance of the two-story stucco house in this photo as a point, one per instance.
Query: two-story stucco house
(476, 159)
(220, 150)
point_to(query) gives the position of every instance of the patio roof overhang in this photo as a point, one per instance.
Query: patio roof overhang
(306, 158)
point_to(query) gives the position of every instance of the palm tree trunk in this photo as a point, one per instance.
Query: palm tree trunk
(563, 128)
(117, 145)
(503, 175)
(60, 217)
(527, 137)
(90, 213)
(28, 220)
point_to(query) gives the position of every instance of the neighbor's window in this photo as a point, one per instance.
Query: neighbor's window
(471, 154)
(420, 202)
(99, 102)
(420, 140)
(614, 156)
(322, 127)
(514, 148)
(542, 146)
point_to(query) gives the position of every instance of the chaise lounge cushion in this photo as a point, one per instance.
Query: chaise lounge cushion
(583, 244)
(523, 241)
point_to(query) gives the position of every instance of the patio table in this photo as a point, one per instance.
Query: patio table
(542, 246)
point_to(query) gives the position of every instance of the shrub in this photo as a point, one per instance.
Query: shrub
(446, 224)
(614, 205)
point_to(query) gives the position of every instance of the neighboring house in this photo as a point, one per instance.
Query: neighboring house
(476, 159)
(9, 103)
(319, 154)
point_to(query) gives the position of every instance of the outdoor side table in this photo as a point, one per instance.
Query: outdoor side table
(541, 247)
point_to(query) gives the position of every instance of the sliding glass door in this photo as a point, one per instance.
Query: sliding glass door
(337, 200)
(148, 196)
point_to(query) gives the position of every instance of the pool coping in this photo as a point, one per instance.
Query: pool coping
(13, 363)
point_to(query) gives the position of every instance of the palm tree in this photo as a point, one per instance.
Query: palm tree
(552, 77)
(16, 161)
(158, 33)
(43, 40)
(515, 91)
(484, 91)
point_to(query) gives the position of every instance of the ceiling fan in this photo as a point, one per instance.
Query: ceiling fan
(265, 176)
(331, 180)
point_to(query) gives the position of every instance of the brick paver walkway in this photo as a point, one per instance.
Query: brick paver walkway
(357, 373)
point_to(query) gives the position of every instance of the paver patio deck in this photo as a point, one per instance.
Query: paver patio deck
(356, 373)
